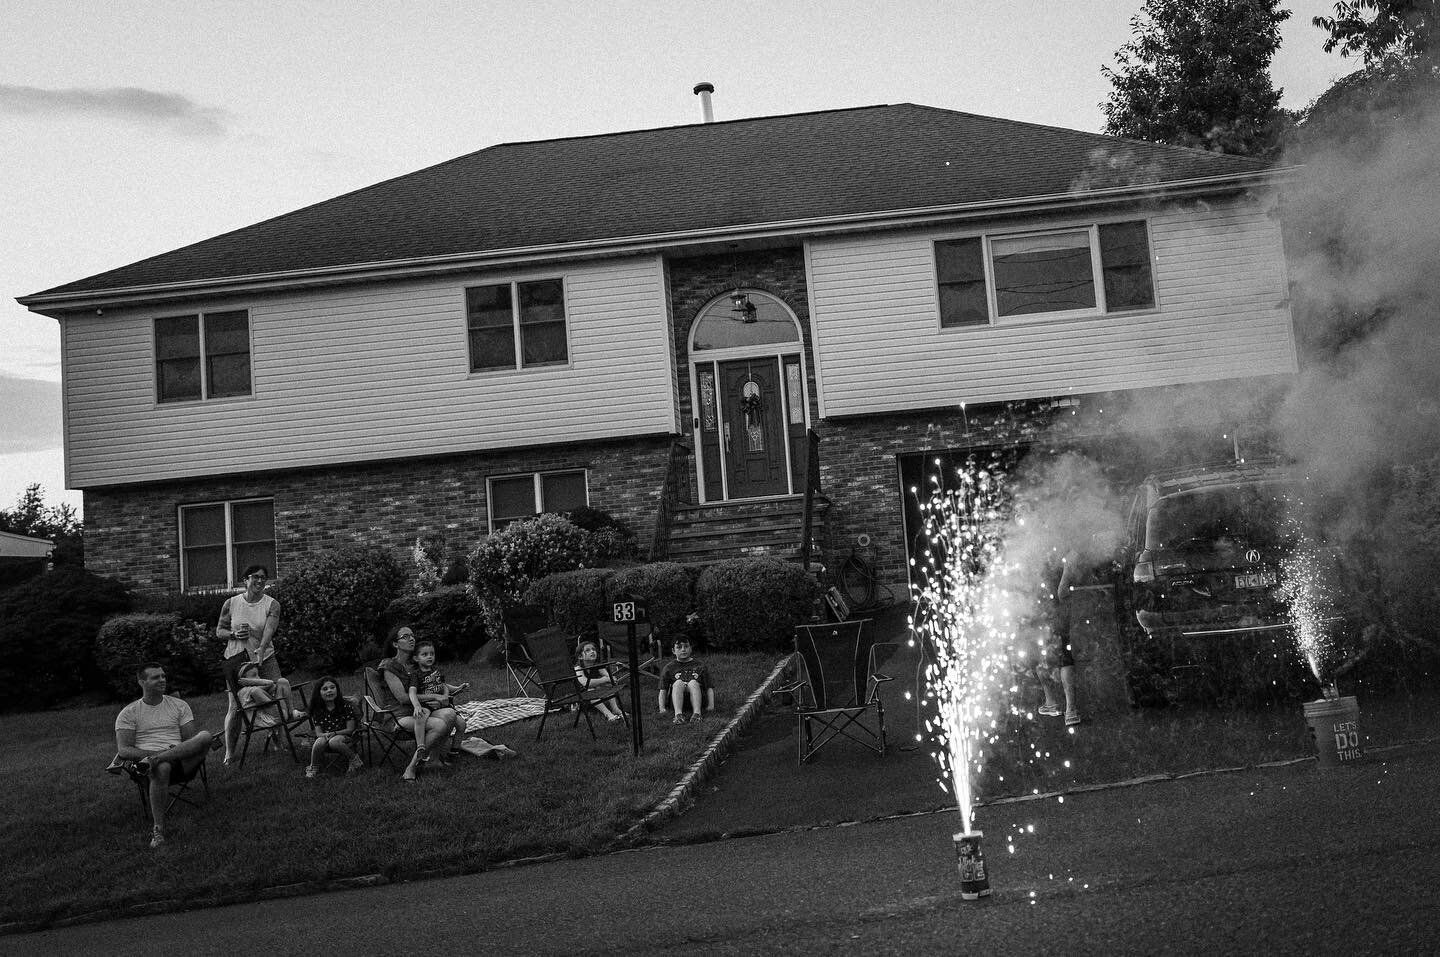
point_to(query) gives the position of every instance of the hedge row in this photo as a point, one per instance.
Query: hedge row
(741, 604)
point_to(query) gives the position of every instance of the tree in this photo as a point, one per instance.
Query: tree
(1197, 73)
(59, 523)
(1399, 32)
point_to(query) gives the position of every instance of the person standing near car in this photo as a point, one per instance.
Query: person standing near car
(248, 622)
(1055, 613)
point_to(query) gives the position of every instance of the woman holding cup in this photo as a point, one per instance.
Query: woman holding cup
(248, 622)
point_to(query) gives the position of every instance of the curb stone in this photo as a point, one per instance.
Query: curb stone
(714, 754)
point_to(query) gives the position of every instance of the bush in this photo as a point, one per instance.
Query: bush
(202, 609)
(448, 616)
(574, 601)
(332, 605)
(189, 651)
(47, 635)
(505, 565)
(754, 603)
(667, 586)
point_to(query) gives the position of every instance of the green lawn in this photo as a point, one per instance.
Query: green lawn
(74, 840)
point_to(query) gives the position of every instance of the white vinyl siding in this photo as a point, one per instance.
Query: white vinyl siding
(1222, 312)
(364, 373)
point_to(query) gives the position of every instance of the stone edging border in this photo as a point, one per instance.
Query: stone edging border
(710, 759)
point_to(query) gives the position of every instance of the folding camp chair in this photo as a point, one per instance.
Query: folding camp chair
(838, 688)
(519, 622)
(280, 732)
(179, 785)
(614, 638)
(380, 727)
(555, 671)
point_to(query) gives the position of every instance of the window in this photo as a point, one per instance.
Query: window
(205, 355)
(1072, 272)
(516, 324)
(218, 540)
(515, 497)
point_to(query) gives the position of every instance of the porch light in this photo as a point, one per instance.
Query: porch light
(744, 306)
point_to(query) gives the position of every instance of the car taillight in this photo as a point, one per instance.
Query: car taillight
(1170, 566)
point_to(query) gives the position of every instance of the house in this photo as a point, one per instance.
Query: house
(680, 326)
(23, 548)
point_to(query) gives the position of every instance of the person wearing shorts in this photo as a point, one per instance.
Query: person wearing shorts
(248, 622)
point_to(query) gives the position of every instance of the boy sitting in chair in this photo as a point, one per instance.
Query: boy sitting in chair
(686, 680)
(158, 733)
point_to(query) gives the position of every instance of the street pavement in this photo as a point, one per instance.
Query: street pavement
(1283, 860)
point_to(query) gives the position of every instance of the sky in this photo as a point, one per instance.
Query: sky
(130, 129)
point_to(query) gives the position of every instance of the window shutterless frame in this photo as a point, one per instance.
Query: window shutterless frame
(519, 324)
(538, 499)
(202, 355)
(231, 540)
(1134, 273)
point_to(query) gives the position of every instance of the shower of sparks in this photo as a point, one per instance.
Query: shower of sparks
(965, 613)
(1308, 589)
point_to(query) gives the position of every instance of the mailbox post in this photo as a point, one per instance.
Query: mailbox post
(631, 612)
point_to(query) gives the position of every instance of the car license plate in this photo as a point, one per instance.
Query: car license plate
(1263, 579)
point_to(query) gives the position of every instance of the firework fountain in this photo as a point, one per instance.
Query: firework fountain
(1309, 590)
(962, 614)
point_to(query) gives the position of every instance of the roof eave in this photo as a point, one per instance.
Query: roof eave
(60, 304)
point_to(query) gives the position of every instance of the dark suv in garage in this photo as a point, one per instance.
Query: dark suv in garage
(1201, 575)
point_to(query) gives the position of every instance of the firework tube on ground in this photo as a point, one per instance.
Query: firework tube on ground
(974, 882)
(1335, 726)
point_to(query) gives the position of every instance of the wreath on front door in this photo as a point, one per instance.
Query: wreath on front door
(750, 399)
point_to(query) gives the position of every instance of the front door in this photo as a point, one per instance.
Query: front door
(749, 435)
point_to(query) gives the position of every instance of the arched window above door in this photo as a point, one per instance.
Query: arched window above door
(744, 318)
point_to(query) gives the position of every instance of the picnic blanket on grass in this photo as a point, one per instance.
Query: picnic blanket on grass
(498, 711)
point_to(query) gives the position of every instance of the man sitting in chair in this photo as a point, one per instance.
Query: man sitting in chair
(158, 734)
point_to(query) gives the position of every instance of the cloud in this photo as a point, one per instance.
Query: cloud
(126, 103)
(31, 421)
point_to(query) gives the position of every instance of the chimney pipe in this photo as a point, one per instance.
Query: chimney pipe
(704, 90)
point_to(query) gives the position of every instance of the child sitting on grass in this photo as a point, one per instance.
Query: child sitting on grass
(593, 675)
(685, 679)
(335, 723)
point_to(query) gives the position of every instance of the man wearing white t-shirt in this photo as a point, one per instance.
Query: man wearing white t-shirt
(158, 734)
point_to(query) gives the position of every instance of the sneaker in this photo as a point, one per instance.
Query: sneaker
(297, 715)
(613, 717)
(1050, 710)
(355, 764)
(311, 771)
(681, 719)
(157, 838)
(1072, 717)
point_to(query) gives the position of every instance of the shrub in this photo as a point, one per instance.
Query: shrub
(754, 603)
(505, 565)
(575, 600)
(332, 604)
(667, 586)
(202, 609)
(47, 635)
(448, 616)
(619, 539)
(188, 649)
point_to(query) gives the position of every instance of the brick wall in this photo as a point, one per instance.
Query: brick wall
(131, 533)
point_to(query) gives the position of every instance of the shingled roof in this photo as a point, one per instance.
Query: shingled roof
(682, 180)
